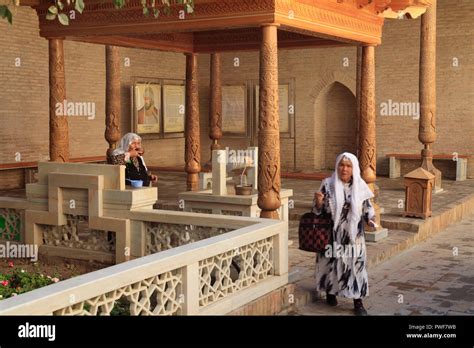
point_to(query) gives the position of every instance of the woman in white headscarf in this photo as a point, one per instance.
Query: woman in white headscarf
(345, 198)
(130, 154)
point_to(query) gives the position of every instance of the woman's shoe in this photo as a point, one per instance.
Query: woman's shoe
(359, 309)
(331, 300)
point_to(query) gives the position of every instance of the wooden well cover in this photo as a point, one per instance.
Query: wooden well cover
(418, 190)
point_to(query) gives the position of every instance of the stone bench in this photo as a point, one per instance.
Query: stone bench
(396, 158)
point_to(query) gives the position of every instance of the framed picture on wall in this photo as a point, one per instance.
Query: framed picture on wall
(147, 107)
(173, 108)
(234, 107)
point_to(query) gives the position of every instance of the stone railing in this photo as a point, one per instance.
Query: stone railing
(66, 213)
(214, 267)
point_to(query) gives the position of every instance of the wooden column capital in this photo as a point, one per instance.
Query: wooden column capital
(273, 24)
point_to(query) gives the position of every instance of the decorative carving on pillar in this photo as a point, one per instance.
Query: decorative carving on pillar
(427, 93)
(112, 97)
(269, 127)
(192, 133)
(215, 106)
(367, 122)
(58, 124)
(358, 80)
(367, 152)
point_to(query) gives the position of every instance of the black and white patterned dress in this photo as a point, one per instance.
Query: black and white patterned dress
(344, 272)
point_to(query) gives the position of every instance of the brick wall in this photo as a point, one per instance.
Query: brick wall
(397, 79)
(24, 111)
(316, 70)
(12, 179)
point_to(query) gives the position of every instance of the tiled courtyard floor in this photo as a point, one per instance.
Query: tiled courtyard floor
(427, 277)
(435, 277)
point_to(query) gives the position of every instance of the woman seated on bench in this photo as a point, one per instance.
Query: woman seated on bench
(130, 154)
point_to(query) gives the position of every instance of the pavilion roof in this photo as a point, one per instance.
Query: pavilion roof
(219, 25)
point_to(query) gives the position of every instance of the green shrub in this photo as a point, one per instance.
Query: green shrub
(18, 281)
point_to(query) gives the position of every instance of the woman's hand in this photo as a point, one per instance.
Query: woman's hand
(133, 153)
(373, 224)
(153, 178)
(319, 199)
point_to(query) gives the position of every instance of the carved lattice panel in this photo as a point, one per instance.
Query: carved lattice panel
(10, 224)
(162, 236)
(201, 210)
(158, 295)
(77, 234)
(231, 212)
(229, 272)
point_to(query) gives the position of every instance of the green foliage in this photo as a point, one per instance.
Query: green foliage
(55, 11)
(79, 6)
(6, 13)
(10, 230)
(18, 281)
(121, 308)
(63, 19)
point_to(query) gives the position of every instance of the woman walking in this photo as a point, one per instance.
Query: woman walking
(345, 198)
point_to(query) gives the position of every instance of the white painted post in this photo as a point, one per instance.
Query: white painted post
(219, 174)
(252, 172)
(394, 167)
(461, 169)
(280, 250)
(190, 277)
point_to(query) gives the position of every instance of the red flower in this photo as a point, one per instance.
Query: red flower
(4, 282)
(10, 264)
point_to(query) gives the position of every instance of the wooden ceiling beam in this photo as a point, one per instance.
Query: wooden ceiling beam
(173, 42)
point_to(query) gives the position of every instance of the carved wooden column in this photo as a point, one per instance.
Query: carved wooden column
(112, 98)
(367, 137)
(427, 93)
(358, 80)
(367, 153)
(58, 124)
(215, 106)
(192, 135)
(269, 127)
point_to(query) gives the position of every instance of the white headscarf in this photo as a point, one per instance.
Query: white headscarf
(360, 193)
(125, 142)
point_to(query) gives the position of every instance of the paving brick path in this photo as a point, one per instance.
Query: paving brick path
(435, 277)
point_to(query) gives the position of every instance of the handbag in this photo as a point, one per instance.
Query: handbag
(314, 232)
